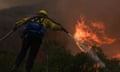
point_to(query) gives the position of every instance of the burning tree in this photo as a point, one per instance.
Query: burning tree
(92, 33)
(88, 34)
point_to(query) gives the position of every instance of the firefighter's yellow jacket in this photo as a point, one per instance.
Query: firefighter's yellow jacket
(47, 22)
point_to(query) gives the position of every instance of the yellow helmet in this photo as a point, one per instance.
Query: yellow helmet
(43, 12)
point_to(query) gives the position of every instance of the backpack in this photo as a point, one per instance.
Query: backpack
(33, 28)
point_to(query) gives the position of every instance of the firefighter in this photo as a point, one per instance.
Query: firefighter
(32, 35)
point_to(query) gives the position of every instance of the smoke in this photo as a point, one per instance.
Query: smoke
(68, 12)
(106, 11)
(13, 3)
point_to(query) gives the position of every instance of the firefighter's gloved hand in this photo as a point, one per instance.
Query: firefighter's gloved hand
(64, 30)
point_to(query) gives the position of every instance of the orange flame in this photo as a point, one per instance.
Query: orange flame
(117, 56)
(92, 33)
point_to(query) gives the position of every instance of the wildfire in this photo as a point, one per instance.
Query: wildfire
(117, 56)
(91, 33)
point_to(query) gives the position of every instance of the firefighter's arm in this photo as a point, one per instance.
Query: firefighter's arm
(20, 22)
(54, 25)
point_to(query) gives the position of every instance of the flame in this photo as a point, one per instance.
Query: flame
(117, 56)
(92, 33)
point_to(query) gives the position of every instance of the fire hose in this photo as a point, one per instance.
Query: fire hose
(7, 35)
(85, 49)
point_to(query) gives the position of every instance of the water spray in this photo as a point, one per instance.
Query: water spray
(85, 49)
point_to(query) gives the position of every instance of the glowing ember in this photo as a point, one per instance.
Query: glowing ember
(92, 33)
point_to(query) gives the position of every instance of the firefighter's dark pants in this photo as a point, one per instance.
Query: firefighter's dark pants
(31, 43)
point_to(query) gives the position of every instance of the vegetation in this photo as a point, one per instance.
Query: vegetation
(59, 60)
